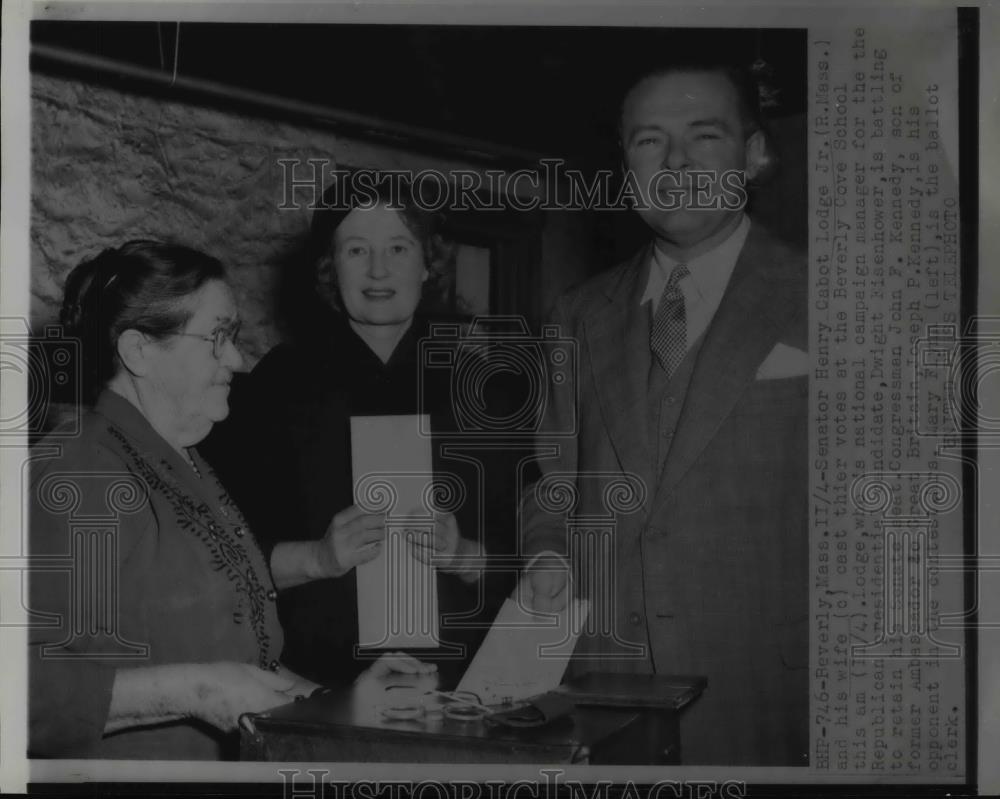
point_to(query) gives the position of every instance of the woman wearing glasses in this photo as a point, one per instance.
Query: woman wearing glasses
(163, 628)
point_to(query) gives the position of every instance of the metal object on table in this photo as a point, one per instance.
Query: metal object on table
(353, 725)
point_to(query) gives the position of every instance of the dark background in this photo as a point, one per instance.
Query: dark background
(487, 96)
(552, 91)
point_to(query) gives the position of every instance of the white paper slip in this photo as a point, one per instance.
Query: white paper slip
(525, 654)
(397, 593)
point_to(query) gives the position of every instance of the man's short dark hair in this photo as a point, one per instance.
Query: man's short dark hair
(743, 79)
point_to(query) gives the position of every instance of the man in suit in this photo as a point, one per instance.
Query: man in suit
(692, 385)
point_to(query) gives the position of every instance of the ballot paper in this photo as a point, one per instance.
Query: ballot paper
(397, 593)
(525, 654)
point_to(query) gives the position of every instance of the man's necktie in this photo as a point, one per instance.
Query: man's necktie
(668, 336)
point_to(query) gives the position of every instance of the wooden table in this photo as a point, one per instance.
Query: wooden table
(617, 719)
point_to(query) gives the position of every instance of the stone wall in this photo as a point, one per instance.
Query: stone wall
(108, 166)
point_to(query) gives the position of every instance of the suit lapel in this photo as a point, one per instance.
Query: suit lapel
(618, 342)
(755, 308)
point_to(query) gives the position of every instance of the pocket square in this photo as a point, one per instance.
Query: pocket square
(784, 361)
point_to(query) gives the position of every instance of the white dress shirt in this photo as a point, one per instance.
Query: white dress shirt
(704, 286)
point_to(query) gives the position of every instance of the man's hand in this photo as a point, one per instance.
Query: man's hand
(545, 586)
(353, 537)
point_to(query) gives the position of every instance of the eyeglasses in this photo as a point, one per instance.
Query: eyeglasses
(220, 337)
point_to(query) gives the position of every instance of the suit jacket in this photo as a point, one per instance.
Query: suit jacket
(703, 567)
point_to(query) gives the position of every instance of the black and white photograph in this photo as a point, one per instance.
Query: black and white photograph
(487, 402)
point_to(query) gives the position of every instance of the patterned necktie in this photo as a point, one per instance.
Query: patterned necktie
(668, 336)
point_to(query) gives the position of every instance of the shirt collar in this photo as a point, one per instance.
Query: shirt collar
(709, 272)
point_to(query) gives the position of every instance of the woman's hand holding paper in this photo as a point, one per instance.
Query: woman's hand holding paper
(353, 537)
(445, 548)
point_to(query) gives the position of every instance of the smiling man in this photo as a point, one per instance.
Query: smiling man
(692, 382)
(687, 138)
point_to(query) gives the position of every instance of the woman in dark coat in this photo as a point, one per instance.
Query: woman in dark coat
(287, 449)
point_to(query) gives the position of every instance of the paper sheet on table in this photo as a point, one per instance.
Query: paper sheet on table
(525, 654)
(397, 594)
